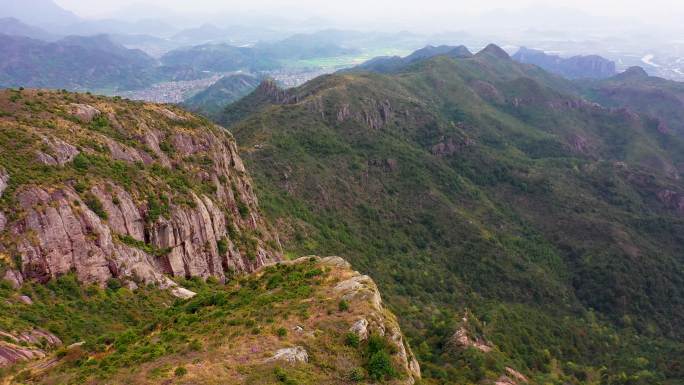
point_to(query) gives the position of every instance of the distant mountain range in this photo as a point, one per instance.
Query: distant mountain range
(74, 62)
(15, 27)
(37, 12)
(219, 58)
(386, 64)
(576, 67)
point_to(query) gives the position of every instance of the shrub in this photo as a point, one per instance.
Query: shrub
(343, 305)
(357, 374)
(243, 209)
(180, 371)
(282, 377)
(380, 366)
(222, 245)
(352, 339)
(281, 332)
(94, 204)
(81, 162)
(114, 284)
(195, 345)
(158, 207)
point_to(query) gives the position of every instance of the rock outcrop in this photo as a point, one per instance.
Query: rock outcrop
(291, 355)
(139, 193)
(26, 346)
(361, 292)
(461, 339)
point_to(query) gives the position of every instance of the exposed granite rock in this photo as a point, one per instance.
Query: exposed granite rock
(182, 293)
(359, 288)
(61, 152)
(360, 328)
(84, 112)
(127, 154)
(170, 114)
(11, 354)
(152, 139)
(291, 355)
(14, 278)
(68, 236)
(123, 217)
(512, 377)
(516, 375)
(210, 223)
(26, 300)
(64, 237)
(4, 180)
(25, 346)
(461, 339)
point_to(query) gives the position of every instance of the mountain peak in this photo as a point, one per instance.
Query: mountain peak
(494, 50)
(634, 72)
(432, 51)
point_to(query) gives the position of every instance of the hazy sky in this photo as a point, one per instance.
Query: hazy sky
(657, 16)
(351, 8)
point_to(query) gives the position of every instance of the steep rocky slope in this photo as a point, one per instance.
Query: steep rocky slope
(308, 321)
(484, 183)
(107, 188)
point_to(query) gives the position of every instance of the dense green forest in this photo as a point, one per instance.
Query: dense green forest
(485, 186)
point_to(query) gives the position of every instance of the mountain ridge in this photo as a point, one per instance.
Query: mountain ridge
(457, 181)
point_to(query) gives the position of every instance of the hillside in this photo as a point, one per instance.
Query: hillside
(228, 89)
(219, 58)
(649, 95)
(112, 189)
(14, 27)
(73, 62)
(309, 321)
(483, 184)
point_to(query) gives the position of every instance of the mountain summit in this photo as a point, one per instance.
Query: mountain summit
(494, 50)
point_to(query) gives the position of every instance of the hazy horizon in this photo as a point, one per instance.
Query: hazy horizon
(423, 16)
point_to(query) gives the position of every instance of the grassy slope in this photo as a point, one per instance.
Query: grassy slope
(223, 335)
(567, 256)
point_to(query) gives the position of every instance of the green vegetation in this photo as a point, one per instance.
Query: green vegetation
(482, 184)
(94, 204)
(130, 337)
(379, 365)
(79, 313)
(149, 249)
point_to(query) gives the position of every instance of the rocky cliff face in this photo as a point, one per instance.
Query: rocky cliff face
(116, 189)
